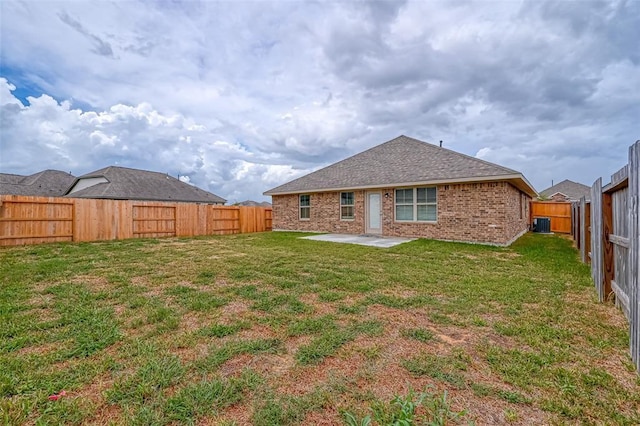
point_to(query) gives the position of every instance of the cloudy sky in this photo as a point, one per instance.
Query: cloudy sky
(244, 96)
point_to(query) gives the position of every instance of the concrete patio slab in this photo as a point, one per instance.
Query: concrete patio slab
(363, 240)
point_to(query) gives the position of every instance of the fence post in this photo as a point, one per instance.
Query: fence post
(583, 230)
(597, 238)
(608, 260)
(575, 217)
(74, 222)
(633, 268)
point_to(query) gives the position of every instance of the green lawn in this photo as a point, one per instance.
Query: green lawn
(270, 329)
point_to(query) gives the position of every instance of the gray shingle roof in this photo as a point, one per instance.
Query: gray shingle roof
(402, 161)
(11, 178)
(47, 183)
(572, 190)
(251, 203)
(134, 184)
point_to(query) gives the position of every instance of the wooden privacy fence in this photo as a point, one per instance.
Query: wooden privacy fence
(35, 220)
(559, 213)
(610, 240)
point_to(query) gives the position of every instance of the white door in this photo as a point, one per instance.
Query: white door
(374, 213)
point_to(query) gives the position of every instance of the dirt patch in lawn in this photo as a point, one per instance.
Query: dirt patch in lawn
(192, 353)
(235, 365)
(232, 310)
(44, 313)
(42, 287)
(326, 417)
(491, 411)
(39, 349)
(273, 366)
(41, 300)
(319, 307)
(140, 281)
(506, 255)
(399, 317)
(119, 310)
(107, 414)
(392, 379)
(239, 414)
(191, 321)
(227, 254)
(94, 391)
(258, 331)
(400, 292)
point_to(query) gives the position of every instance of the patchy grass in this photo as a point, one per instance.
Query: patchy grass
(447, 368)
(271, 329)
(419, 334)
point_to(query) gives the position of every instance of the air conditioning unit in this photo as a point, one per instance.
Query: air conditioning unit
(542, 225)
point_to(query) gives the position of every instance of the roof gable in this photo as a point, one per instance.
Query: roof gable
(400, 161)
(47, 183)
(568, 188)
(122, 183)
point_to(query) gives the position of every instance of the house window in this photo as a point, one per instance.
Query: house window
(404, 204)
(347, 202)
(305, 207)
(521, 207)
(416, 205)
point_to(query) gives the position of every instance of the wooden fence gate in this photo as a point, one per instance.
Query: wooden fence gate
(559, 213)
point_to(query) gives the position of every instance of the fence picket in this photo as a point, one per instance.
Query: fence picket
(597, 239)
(633, 267)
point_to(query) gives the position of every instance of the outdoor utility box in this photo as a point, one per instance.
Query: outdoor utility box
(542, 225)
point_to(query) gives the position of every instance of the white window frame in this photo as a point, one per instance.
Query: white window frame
(300, 207)
(353, 206)
(415, 205)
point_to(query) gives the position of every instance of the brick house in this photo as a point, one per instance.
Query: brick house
(406, 187)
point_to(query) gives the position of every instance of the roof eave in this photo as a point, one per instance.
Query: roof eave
(517, 180)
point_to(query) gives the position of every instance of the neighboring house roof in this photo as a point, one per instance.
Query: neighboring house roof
(252, 203)
(122, 183)
(403, 161)
(572, 190)
(47, 183)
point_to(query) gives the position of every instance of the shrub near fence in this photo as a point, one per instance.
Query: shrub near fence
(35, 220)
(610, 240)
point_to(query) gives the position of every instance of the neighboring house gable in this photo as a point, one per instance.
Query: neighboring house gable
(566, 190)
(122, 183)
(47, 183)
(406, 187)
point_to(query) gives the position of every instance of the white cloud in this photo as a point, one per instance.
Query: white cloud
(137, 136)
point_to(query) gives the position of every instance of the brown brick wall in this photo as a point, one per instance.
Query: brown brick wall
(477, 212)
(325, 213)
(518, 205)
